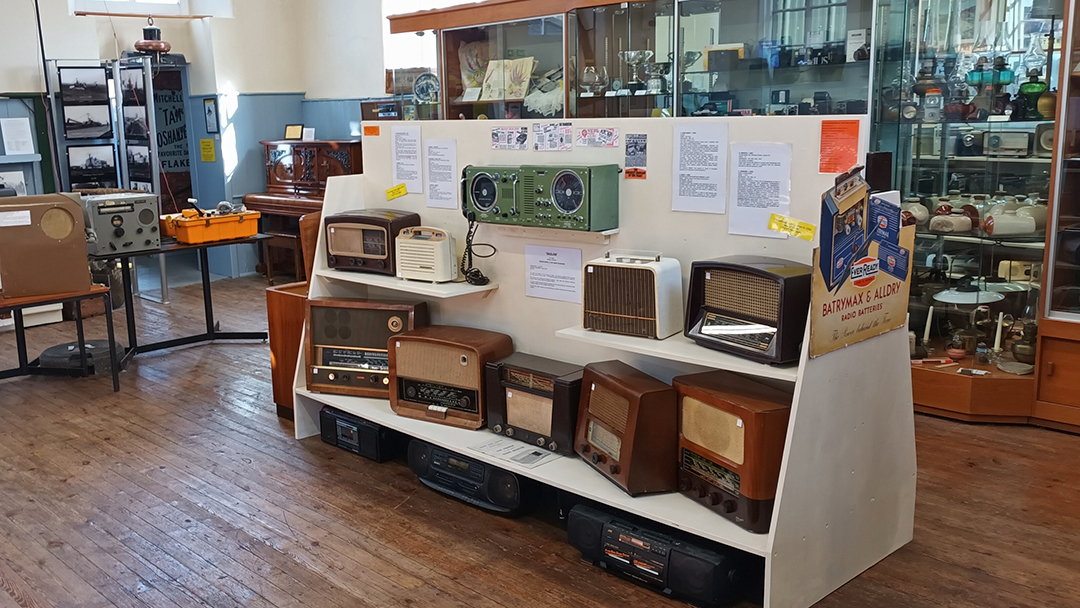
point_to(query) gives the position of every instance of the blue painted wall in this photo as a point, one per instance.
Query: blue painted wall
(30, 169)
(333, 118)
(239, 165)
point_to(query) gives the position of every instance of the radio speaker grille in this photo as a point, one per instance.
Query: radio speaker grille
(416, 257)
(528, 181)
(437, 363)
(714, 429)
(620, 300)
(744, 294)
(528, 411)
(609, 407)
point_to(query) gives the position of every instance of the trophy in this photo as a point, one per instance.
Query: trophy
(689, 58)
(657, 77)
(635, 59)
(593, 81)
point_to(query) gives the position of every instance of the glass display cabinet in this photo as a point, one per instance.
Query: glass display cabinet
(780, 57)
(621, 59)
(505, 70)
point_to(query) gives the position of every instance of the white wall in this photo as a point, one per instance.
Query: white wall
(343, 49)
(259, 49)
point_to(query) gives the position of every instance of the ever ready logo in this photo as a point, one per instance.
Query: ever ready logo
(864, 272)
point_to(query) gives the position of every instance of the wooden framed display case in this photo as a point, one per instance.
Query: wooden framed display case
(1057, 401)
(965, 108)
(621, 59)
(779, 57)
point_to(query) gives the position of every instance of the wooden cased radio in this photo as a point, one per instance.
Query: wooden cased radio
(437, 373)
(535, 400)
(426, 254)
(363, 239)
(43, 245)
(627, 427)
(751, 306)
(346, 343)
(731, 442)
(633, 293)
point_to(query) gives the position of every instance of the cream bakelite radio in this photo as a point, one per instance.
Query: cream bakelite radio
(426, 254)
(633, 293)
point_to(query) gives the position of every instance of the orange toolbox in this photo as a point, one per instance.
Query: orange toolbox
(192, 227)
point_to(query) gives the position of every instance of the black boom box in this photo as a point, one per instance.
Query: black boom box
(654, 560)
(749, 305)
(359, 436)
(466, 479)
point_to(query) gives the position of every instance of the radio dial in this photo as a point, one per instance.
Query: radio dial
(509, 431)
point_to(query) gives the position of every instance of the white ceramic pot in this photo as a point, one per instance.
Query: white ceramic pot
(1008, 223)
(950, 223)
(939, 203)
(1035, 212)
(918, 211)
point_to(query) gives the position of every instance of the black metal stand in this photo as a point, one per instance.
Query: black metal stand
(27, 368)
(213, 328)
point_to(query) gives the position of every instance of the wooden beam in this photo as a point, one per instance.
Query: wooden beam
(137, 15)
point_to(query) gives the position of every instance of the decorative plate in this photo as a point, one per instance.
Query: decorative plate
(426, 88)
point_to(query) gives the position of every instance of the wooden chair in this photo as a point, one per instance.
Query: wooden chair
(285, 309)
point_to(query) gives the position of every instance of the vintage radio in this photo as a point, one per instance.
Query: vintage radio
(655, 560)
(731, 441)
(42, 246)
(572, 197)
(569, 197)
(466, 479)
(1044, 139)
(363, 239)
(751, 306)
(437, 373)
(490, 194)
(535, 400)
(426, 254)
(627, 427)
(633, 293)
(121, 223)
(1007, 143)
(347, 339)
(359, 436)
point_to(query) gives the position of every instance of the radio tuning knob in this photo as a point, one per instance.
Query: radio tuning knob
(554, 447)
(138, 231)
(713, 499)
(496, 211)
(684, 484)
(540, 442)
(596, 457)
(584, 448)
(728, 506)
(614, 469)
(119, 232)
(509, 431)
(497, 428)
(701, 492)
(539, 189)
(331, 376)
(495, 176)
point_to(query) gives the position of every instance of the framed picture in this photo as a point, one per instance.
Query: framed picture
(87, 122)
(84, 86)
(211, 115)
(135, 123)
(138, 163)
(294, 131)
(92, 167)
(134, 87)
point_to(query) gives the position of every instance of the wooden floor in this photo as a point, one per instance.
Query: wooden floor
(186, 489)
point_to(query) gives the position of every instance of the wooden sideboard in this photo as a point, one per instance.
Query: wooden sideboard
(296, 174)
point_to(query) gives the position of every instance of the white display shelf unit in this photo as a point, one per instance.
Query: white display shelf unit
(570, 474)
(683, 349)
(420, 288)
(846, 492)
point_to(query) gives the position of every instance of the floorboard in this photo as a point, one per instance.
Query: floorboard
(185, 489)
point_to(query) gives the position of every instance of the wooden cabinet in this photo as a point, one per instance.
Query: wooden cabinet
(1059, 380)
(302, 167)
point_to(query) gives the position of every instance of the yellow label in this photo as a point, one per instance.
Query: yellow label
(792, 226)
(395, 192)
(209, 152)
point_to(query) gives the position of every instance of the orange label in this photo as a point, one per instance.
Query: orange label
(371, 130)
(634, 174)
(839, 145)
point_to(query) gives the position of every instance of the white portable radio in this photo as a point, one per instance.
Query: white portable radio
(426, 254)
(634, 294)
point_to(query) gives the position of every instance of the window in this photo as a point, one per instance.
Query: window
(798, 23)
(149, 7)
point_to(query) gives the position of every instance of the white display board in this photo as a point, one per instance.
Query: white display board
(847, 487)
